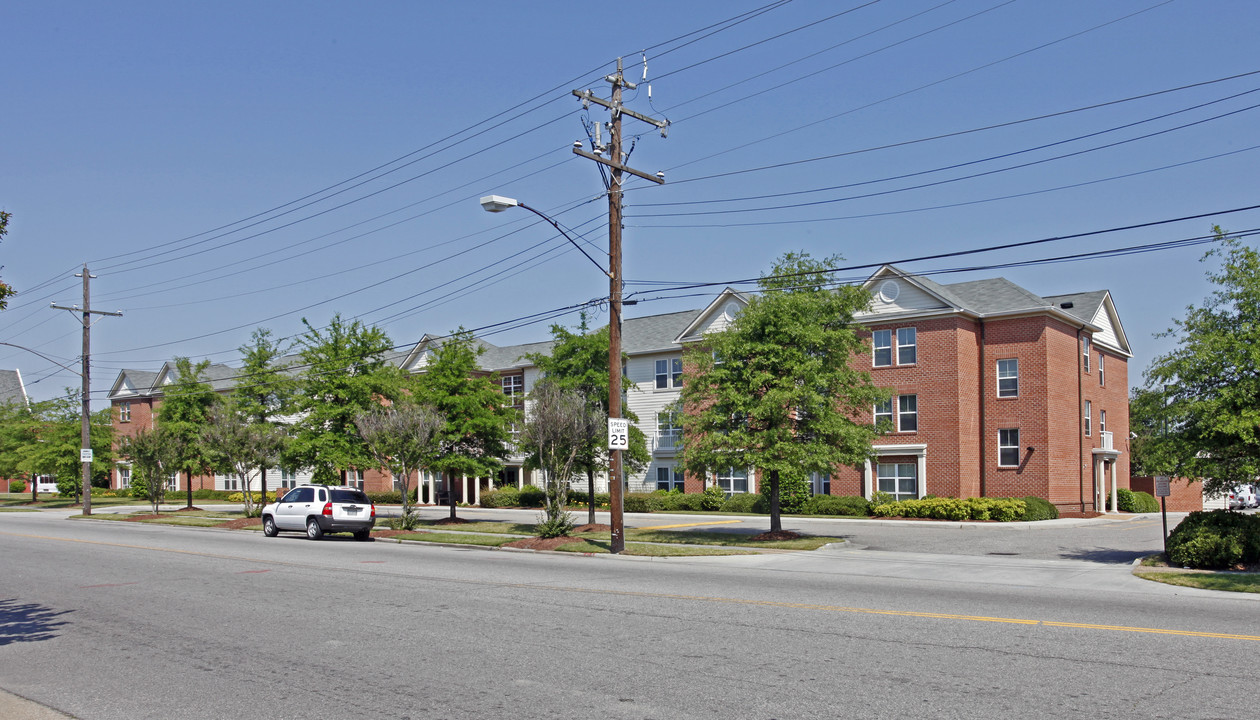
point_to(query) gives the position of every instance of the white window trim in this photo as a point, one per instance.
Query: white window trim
(1089, 417)
(897, 477)
(1000, 377)
(899, 346)
(1001, 446)
(1085, 348)
(672, 374)
(900, 413)
(876, 348)
(1101, 371)
(891, 415)
(918, 450)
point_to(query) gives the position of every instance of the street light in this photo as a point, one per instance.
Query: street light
(498, 203)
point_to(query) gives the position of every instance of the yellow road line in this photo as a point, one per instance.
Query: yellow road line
(692, 598)
(666, 527)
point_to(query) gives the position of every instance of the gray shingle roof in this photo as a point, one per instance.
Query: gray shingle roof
(1084, 305)
(996, 295)
(655, 332)
(11, 389)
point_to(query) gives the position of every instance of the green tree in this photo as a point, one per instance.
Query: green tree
(403, 439)
(17, 431)
(239, 446)
(184, 413)
(6, 291)
(265, 390)
(1211, 381)
(578, 361)
(56, 433)
(1153, 450)
(155, 454)
(346, 373)
(477, 434)
(561, 426)
(774, 391)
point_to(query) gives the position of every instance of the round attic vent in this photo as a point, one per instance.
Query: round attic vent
(889, 290)
(731, 310)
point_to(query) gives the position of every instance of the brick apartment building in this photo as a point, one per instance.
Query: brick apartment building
(997, 392)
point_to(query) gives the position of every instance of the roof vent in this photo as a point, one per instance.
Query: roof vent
(1065, 305)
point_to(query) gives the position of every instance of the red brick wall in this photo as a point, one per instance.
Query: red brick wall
(1187, 494)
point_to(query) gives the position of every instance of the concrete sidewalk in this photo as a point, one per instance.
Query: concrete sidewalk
(13, 707)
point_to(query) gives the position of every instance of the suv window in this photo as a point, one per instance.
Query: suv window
(303, 494)
(350, 496)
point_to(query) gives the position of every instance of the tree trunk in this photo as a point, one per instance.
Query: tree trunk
(776, 523)
(450, 492)
(189, 473)
(590, 490)
(262, 480)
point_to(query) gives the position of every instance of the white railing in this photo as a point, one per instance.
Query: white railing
(669, 440)
(1105, 438)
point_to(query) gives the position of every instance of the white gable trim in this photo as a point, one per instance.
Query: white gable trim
(707, 317)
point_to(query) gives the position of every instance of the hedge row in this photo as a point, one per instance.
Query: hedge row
(1000, 509)
(938, 508)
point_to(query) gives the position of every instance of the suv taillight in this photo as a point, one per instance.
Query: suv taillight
(328, 509)
(373, 510)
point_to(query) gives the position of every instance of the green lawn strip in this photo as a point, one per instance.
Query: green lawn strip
(18, 509)
(651, 550)
(1226, 581)
(723, 539)
(208, 519)
(454, 538)
(500, 528)
(50, 502)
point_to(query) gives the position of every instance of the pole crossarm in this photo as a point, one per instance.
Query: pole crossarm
(588, 95)
(618, 166)
(76, 308)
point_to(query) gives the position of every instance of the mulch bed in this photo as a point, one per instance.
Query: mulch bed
(241, 523)
(776, 535)
(135, 518)
(451, 521)
(190, 508)
(535, 543)
(593, 527)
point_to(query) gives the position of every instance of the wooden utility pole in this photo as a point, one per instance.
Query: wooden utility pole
(615, 162)
(85, 420)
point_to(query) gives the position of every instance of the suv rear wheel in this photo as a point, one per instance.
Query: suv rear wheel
(313, 530)
(362, 535)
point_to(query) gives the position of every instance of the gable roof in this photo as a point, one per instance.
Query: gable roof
(12, 390)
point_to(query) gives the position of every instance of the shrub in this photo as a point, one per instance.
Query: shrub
(712, 498)
(844, 505)
(641, 502)
(501, 498)
(256, 496)
(17, 486)
(1000, 509)
(1216, 539)
(689, 502)
(794, 492)
(389, 497)
(1036, 508)
(1145, 502)
(531, 496)
(744, 503)
(558, 526)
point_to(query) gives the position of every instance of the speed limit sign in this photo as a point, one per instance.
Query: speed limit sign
(618, 434)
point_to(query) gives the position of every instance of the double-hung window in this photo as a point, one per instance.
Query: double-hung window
(1101, 371)
(820, 483)
(1102, 420)
(907, 413)
(1008, 378)
(669, 478)
(1085, 351)
(884, 411)
(124, 476)
(1089, 413)
(288, 478)
(354, 479)
(1008, 447)
(900, 480)
(881, 342)
(124, 411)
(733, 480)
(907, 348)
(669, 374)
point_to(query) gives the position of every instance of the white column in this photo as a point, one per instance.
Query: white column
(1115, 500)
(868, 481)
(921, 469)
(463, 495)
(477, 491)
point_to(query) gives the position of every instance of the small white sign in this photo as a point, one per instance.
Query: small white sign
(85, 455)
(1162, 488)
(618, 434)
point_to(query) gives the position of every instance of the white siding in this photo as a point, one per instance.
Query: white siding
(646, 402)
(908, 298)
(1106, 336)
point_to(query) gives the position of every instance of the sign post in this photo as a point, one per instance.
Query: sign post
(1162, 490)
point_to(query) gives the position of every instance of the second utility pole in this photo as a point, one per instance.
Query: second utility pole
(614, 161)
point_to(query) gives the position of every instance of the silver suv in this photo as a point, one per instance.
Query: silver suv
(319, 509)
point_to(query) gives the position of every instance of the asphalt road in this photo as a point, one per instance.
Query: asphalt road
(113, 620)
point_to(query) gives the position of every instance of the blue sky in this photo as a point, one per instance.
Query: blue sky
(234, 165)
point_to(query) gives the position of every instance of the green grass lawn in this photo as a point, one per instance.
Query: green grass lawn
(1155, 568)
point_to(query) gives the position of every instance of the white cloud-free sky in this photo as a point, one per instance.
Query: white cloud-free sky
(231, 165)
